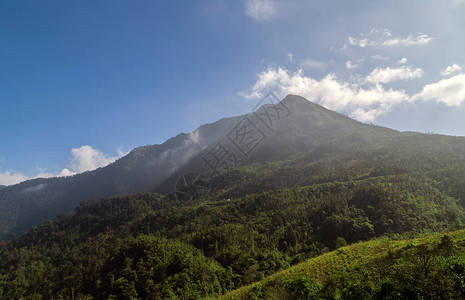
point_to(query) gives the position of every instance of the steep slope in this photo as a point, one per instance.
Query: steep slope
(313, 145)
(295, 127)
(34, 201)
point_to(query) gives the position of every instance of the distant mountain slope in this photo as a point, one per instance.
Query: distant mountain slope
(315, 141)
(34, 201)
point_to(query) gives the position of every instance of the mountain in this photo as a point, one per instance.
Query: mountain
(264, 192)
(285, 141)
(33, 201)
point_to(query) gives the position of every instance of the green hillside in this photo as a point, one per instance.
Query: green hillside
(427, 267)
(146, 246)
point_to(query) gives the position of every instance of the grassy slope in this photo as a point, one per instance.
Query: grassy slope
(345, 257)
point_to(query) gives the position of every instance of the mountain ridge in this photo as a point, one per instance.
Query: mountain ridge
(308, 126)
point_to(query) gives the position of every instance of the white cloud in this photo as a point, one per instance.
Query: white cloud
(365, 104)
(422, 39)
(361, 101)
(66, 172)
(360, 42)
(350, 65)
(86, 158)
(386, 75)
(9, 178)
(83, 159)
(290, 56)
(402, 61)
(451, 69)
(374, 31)
(450, 91)
(378, 38)
(13, 177)
(379, 57)
(260, 10)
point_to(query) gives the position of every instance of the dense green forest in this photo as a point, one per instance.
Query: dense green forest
(321, 181)
(147, 246)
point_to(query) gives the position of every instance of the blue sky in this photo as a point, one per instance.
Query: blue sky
(82, 83)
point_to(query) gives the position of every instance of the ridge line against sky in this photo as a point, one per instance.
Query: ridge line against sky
(98, 78)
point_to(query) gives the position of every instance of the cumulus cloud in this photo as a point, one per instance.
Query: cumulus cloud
(364, 99)
(83, 159)
(86, 158)
(450, 91)
(11, 177)
(402, 61)
(362, 103)
(260, 10)
(386, 75)
(378, 38)
(451, 69)
(66, 172)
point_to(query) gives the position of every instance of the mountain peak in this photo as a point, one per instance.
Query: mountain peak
(295, 98)
(298, 102)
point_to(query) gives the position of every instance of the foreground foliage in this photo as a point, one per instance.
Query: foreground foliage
(431, 267)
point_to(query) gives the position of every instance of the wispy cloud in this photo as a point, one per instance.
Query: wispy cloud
(260, 10)
(378, 38)
(386, 75)
(402, 61)
(290, 56)
(350, 65)
(379, 57)
(313, 64)
(34, 189)
(451, 69)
